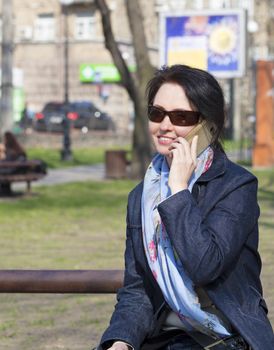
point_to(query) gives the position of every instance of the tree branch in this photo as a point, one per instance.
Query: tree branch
(126, 79)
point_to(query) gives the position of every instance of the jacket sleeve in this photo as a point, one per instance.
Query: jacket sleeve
(133, 314)
(208, 245)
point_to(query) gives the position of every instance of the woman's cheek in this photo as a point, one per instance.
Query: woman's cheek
(182, 131)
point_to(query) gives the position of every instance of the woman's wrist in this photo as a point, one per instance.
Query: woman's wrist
(177, 188)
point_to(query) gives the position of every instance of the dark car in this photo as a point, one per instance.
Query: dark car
(90, 117)
(82, 115)
(51, 117)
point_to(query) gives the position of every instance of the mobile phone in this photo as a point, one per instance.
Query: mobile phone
(204, 131)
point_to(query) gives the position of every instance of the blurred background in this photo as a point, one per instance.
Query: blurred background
(55, 63)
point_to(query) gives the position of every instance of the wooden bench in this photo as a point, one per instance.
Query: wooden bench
(61, 281)
(20, 171)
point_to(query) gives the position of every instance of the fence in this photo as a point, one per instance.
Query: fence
(60, 281)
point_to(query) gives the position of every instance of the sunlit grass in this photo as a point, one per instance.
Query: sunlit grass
(80, 156)
(82, 226)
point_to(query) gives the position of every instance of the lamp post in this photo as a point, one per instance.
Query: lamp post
(66, 151)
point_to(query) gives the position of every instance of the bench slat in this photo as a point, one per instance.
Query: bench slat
(21, 177)
(60, 281)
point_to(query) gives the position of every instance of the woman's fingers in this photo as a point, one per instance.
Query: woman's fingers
(183, 163)
(183, 149)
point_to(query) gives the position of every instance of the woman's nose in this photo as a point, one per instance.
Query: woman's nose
(166, 123)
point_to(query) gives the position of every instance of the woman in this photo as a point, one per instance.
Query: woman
(14, 151)
(192, 264)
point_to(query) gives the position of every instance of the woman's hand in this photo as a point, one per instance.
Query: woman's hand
(183, 163)
(119, 345)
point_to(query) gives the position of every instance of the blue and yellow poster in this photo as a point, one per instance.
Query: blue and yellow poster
(210, 40)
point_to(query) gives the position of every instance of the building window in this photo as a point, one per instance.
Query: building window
(217, 4)
(85, 26)
(44, 27)
(247, 4)
(25, 33)
(198, 4)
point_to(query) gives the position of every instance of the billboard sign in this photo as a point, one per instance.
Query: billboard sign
(211, 40)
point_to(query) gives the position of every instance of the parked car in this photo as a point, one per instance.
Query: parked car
(91, 117)
(82, 115)
(51, 117)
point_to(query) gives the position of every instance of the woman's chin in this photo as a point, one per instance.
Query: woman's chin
(164, 150)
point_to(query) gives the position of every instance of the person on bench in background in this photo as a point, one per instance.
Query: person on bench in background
(26, 170)
(13, 149)
(2, 151)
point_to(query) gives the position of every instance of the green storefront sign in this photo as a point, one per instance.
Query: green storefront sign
(100, 73)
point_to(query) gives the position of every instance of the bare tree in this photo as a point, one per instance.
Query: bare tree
(135, 85)
(6, 105)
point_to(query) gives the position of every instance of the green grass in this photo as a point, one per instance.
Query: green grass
(81, 156)
(72, 226)
(81, 226)
(234, 145)
(59, 225)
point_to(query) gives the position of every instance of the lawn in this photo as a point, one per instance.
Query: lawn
(81, 156)
(80, 226)
(74, 226)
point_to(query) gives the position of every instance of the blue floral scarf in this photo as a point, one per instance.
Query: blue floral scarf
(176, 286)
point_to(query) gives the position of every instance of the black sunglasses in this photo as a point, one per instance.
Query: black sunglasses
(179, 117)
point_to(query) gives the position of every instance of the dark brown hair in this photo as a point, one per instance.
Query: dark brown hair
(13, 149)
(202, 90)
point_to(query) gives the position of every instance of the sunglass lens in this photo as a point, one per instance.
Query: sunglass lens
(179, 118)
(155, 114)
(184, 118)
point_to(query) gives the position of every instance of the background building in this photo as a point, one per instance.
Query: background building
(40, 37)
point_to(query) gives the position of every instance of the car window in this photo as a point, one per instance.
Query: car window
(82, 106)
(53, 107)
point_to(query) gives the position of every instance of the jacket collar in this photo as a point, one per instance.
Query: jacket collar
(218, 167)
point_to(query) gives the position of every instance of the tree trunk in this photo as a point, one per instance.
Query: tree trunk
(141, 146)
(141, 150)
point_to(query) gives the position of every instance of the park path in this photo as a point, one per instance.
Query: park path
(73, 174)
(65, 175)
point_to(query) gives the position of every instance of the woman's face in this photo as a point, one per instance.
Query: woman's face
(169, 97)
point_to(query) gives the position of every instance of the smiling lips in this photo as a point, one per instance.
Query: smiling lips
(165, 140)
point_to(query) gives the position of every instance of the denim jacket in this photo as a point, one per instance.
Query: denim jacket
(215, 232)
